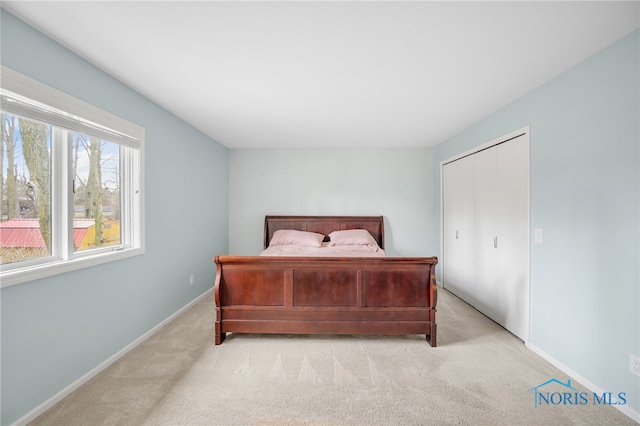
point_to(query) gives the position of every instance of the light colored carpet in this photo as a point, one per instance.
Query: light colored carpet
(479, 374)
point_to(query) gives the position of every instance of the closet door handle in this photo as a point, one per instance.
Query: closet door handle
(495, 242)
(457, 234)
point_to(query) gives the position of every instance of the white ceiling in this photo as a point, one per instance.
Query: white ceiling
(332, 74)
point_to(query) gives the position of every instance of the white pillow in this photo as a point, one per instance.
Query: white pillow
(283, 237)
(352, 237)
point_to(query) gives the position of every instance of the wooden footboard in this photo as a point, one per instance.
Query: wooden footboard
(311, 295)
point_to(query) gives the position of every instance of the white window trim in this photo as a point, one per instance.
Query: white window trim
(130, 134)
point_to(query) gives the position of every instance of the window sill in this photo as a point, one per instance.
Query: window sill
(22, 275)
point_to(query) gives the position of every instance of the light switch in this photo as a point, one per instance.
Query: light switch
(538, 237)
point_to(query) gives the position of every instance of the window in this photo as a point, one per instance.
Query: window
(71, 186)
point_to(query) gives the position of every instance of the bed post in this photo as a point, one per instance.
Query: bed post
(431, 338)
(219, 335)
(433, 301)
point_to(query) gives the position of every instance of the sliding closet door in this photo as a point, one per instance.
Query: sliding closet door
(489, 290)
(486, 231)
(459, 228)
(513, 232)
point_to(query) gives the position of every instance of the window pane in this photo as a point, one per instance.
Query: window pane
(25, 228)
(97, 206)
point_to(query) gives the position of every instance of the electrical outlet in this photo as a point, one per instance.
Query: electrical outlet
(634, 364)
(538, 236)
(192, 279)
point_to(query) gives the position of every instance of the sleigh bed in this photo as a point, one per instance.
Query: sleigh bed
(361, 291)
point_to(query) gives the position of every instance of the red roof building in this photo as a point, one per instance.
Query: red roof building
(25, 233)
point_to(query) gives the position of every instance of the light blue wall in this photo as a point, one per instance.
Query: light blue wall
(394, 183)
(57, 329)
(585, 195)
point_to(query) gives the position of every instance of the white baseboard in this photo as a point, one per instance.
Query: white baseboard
(40, 409)
(625, 409)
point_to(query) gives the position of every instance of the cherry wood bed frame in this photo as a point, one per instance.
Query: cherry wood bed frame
(325, 295)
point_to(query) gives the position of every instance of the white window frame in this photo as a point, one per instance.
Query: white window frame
(57, 108)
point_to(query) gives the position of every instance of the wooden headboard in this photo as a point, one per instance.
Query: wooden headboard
(324, 225)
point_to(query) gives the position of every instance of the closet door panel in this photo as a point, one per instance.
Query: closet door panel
(513, 234)
(458, 228)
(488, 288)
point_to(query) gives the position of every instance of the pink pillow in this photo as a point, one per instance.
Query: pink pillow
(283, 237)
(352, 237)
